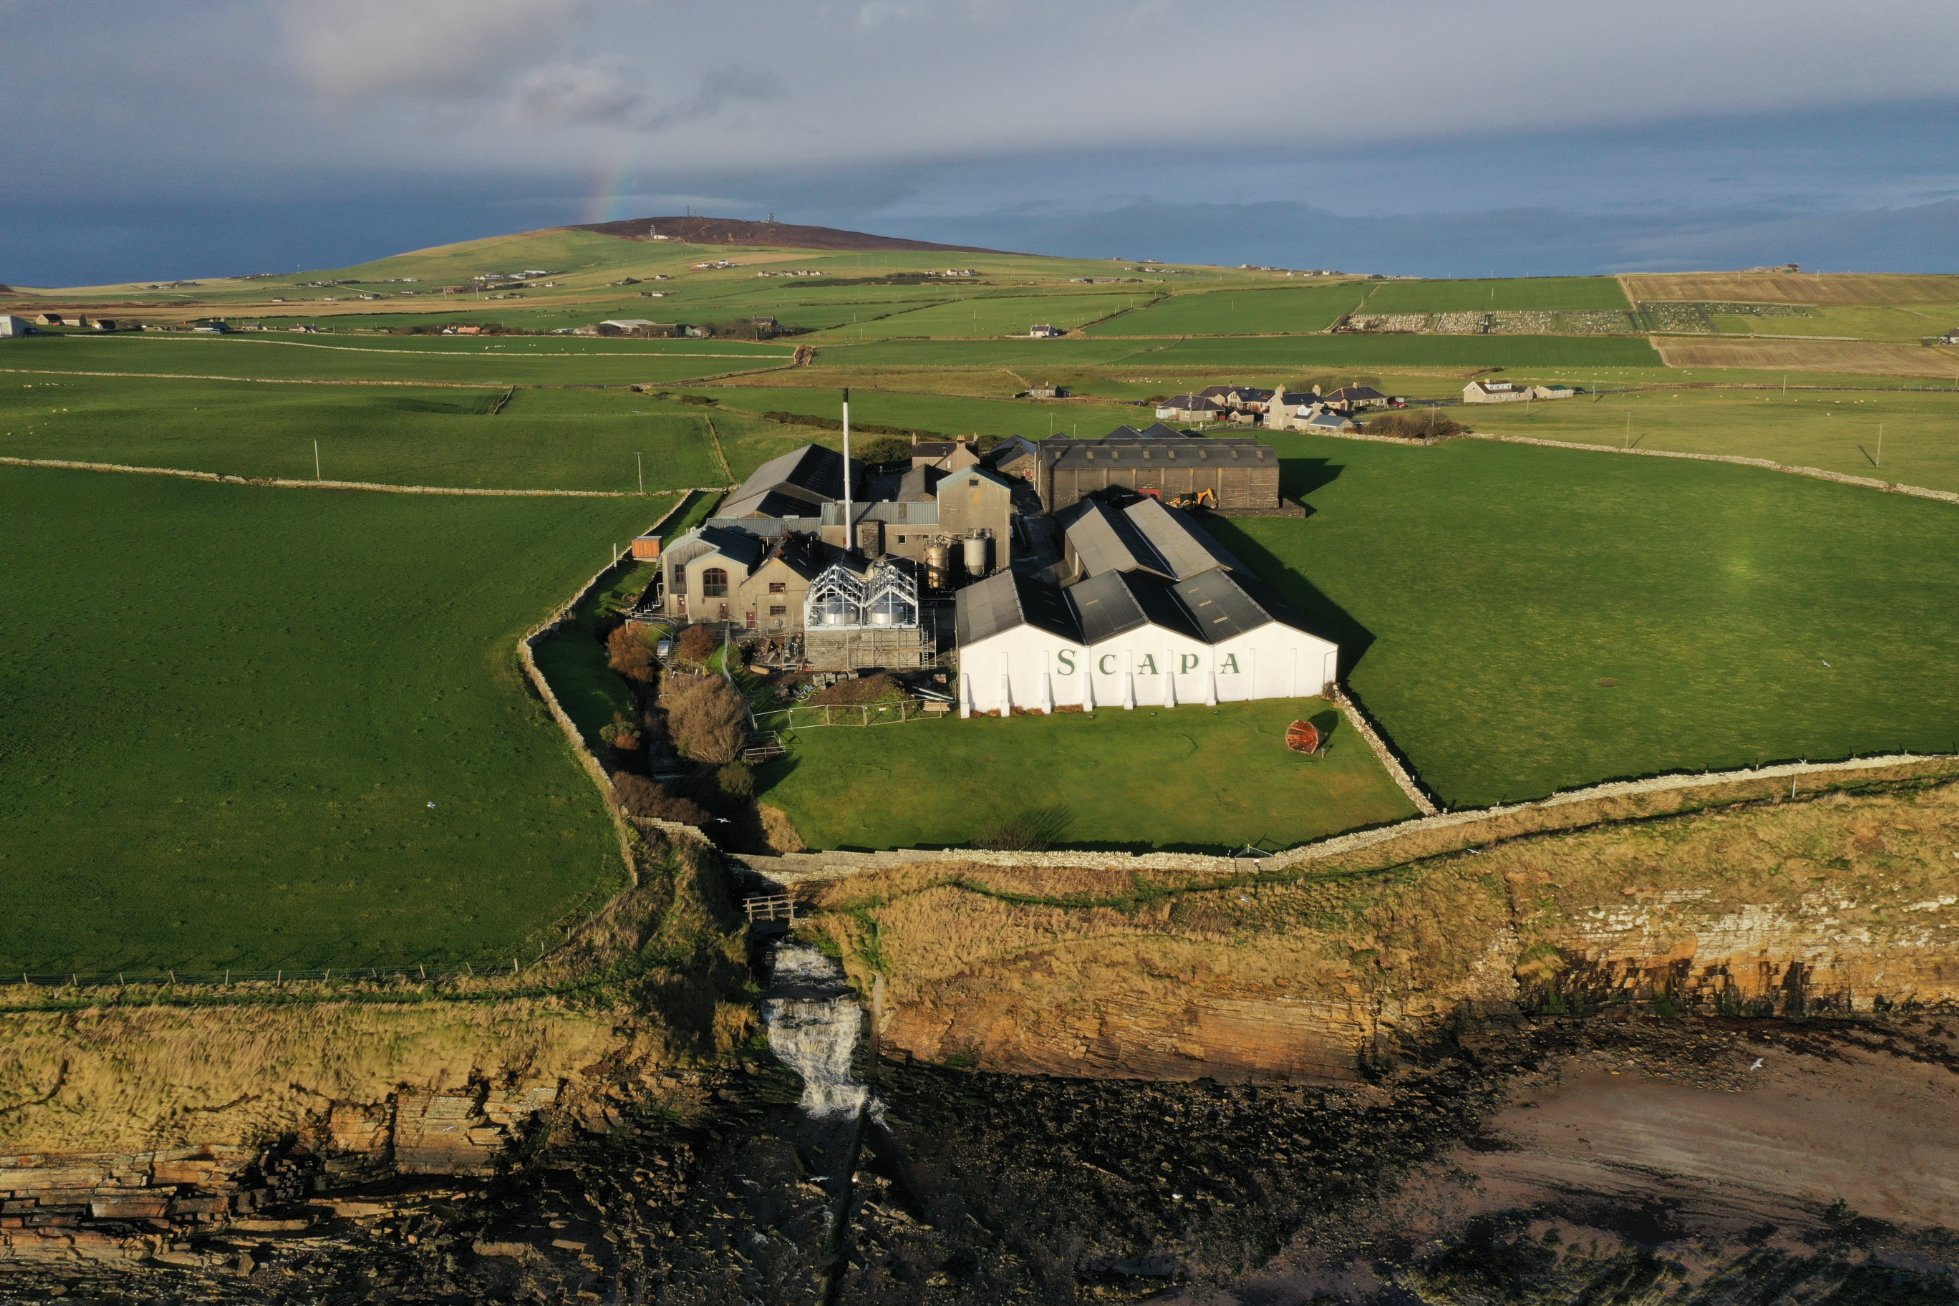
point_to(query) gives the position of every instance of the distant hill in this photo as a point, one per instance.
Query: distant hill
(736, 231)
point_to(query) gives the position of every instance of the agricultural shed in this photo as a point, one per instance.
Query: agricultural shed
(1240, 471)
(15, 326)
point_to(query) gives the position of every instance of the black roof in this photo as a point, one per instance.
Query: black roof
(1138, 452)
(1105, 539)
(810, 473)
(1184, 547)
(1008, 599)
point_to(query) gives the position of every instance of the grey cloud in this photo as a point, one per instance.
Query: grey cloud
(567, 94)
(345, 48)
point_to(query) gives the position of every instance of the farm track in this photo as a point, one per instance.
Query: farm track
(381, 487)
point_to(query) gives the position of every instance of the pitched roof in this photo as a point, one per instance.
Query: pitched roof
(1116, 602)
(1011, 449)
(1184, 547)
(1137, 452)
(1224, 605)
(1106, 540)
(1006, 600)
(810, 473)
(1354, 394)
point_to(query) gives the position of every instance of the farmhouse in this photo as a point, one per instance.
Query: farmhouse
(1045, 331)
(1506, 392)
(1239, 472)
(1189, 408)
(1156, 615)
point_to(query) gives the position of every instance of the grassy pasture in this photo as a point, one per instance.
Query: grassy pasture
(998, 315)
(540, 439)
(1191, 777)
(1876, 357)
(1495, 295)
(1794, 288)
(1908, 324)
(223, 750)
(437, 360)
(948, 414)
(1283, 310)
(1398, 351)
(1523, 620)
(1805, 428)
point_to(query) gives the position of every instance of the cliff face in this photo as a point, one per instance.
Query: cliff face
(1842, 904)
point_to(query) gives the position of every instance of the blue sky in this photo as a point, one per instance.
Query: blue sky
(1506, 136)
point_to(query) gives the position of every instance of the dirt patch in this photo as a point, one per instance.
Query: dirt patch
(1861, 356)
(1792, 288)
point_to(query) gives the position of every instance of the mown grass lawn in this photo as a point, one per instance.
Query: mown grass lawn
(262, 728)
(1523, 620)
(1186, 777)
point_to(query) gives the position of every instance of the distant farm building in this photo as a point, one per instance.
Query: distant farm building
(1240, 472)
(634, 326)
(1156, 614)
(1188, 408)
(1045, 331)
(15, 326)
(1506, 392)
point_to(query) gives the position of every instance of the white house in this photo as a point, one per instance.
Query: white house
(15, 326)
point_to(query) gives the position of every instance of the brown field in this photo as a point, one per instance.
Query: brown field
(1883, 358)
(1791, 288)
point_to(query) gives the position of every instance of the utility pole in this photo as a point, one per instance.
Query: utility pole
(1880, 444)
(639, 463)
(316, 460)
(1629, 429)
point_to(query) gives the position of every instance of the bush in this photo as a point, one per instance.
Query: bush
(736, 780)
(707, 717)
(1414, 426)
(697, 644)
(858, 691)
(650, 801)
(630, 653)
(1032, 831)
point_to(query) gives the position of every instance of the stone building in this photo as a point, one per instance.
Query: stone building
(1241, 472)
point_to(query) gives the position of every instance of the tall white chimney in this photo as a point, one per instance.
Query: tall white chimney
(849, 530)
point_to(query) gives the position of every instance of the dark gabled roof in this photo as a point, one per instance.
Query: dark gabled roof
(918, 484)
(1106, 540)
(1190, 403)
(803, 554)
(810, 473)
(974, 472)
(734, 544)
(1354, 394)
(1008, 599)
(1116, 602)
(1224, 605)
(772, 503)
(1184, 547)
(1249, 393)
(1011, 449)
(1138, 452)
(1331, 421)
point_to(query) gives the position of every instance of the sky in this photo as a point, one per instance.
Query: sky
(1467, 137)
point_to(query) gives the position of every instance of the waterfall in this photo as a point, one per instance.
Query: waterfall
(814, 1022)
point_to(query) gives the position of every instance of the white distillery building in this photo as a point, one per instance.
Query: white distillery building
(1159, 615)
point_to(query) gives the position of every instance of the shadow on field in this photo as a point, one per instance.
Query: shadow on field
(1299, 477)
(1320, 614)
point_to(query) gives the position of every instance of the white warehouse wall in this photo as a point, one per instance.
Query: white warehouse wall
(1030, 669)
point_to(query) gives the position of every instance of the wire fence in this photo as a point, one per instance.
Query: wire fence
(804, 717)
(416, 974)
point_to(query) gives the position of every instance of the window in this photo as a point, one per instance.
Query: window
(777, 610)
(778, 587)
(714, 582)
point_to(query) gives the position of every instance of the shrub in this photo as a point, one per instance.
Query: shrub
(630, 653)
(857, 691)
(1035, 830)
(650, 801)
(736, 780)
(1414, 426)
(697, 644)
(707, 717)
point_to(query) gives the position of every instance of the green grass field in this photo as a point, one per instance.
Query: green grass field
(1804, 428)
(549, 360)
(1523, 620)
(1850, 321)
(539, 439)
(947, 414)
(997, 315)
(1391, 351)
(1494, 295)
(1187, 777)
(1292, 309)
(230, 709)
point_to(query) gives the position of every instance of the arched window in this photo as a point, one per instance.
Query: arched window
(714, 583)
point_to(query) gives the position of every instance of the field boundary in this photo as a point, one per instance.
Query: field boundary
(1600, 804)
(1739, 460)
(378, 487)
(1388, 756)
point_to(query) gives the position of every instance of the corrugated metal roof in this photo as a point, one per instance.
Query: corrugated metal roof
(1008, 599)
(1184, 547)
(1104, 540)
(810, 474)
(1236, 450)
(1221, 607)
